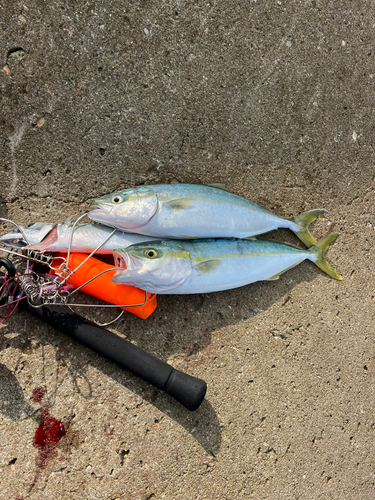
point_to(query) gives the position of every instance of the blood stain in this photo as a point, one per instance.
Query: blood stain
(38, 393)
(47, 435)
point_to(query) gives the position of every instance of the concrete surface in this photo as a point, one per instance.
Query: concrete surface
(276, 100)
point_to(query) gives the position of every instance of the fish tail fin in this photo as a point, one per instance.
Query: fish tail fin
(303, 221)
(319, 249)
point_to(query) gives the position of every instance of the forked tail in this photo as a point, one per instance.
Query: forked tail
(303, 221)
(319, 249)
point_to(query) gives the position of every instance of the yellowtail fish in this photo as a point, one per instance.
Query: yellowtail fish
(49, 237)
(201, 266)
(185, 211)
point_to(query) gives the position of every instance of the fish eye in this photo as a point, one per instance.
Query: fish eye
(117, 199)
(31, 225)
(151, 254)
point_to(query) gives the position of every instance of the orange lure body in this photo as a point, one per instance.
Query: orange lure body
(102, 287)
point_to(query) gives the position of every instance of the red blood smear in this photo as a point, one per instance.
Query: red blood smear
(47, 435)
(49, 432)
(38, 393)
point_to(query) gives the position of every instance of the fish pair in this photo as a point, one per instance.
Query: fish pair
(210, 242)
(197, 215)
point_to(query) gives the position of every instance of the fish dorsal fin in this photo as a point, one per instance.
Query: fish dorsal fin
(179, 204)
(207, 266)
(219, 185)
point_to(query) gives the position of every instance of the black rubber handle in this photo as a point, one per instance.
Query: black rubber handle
(11, 271)
(8, 266)
(187, 390)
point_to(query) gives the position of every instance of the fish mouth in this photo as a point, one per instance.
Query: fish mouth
(99, 209)
(120, 260)
(100, 212)
(125, 261)
(117, 278)
(128, 263)
(13, 240)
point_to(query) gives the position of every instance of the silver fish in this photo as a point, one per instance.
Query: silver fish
(49, 237)
(185, 211)
(201, 266)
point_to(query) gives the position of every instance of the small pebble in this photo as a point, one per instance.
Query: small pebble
(17, 54)
(40, 122)
(190, 57)
(7, 70)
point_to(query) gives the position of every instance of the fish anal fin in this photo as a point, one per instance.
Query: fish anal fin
(207, 266)
(277, 276)
(274, 278)
(179, 204)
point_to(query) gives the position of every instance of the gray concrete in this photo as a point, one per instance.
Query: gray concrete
(276, 100)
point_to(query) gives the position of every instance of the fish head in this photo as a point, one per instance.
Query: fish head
(154, 266)
(35, 233)
(130, 208)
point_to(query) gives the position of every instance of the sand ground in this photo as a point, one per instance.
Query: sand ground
(276, 100)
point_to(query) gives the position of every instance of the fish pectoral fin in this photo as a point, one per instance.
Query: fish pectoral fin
(219, 185)
(179, 204)
(207, 266)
